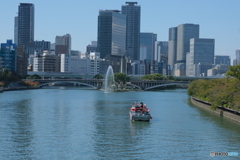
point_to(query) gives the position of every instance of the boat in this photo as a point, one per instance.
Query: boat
(139, 112)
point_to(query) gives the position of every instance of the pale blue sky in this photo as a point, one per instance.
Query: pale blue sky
(218, 19)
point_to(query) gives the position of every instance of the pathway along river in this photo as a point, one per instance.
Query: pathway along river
(77, 123)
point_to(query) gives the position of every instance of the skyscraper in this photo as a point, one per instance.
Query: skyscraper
(16, 30)
(172, 49)
(111, 33)
(200, 58)
(147, 43)
(133, 13)
(111, 41)
(25, 23)
(184, 33)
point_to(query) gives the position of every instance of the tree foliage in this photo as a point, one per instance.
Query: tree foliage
(155, 76)
(98, 76)
(219, 92)
(6, 76)
(234, 71)
(121, 78)
(35, 76)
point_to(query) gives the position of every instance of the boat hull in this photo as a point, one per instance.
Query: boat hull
(139, 117)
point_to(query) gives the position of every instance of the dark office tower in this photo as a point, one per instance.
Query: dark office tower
(25, 23)
(184, 33)
(111, 41)
(172, 49)
(16, 30)
(133, 13)
(111, 33)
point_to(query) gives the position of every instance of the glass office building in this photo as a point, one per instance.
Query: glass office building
(111, 33)
(200, 58)
(147, 41)
(172, 49)
(8, 55)
(184, 33)
(133, 13)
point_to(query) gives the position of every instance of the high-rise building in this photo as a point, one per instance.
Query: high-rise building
(112, 38)
(111, 33)
(133, 13)
(147, 43)
(237, 60)
(63, 44)
(8, 55)
(172, 49)
(25, 24)
(22, 61)
(184, 33)
(161, 49)
(200, 58)
(16, 30)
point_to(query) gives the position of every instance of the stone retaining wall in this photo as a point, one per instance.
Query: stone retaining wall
(228, 113)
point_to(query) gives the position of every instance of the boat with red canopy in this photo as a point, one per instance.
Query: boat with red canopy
(139, 112)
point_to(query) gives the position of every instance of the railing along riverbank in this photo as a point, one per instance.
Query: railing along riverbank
(222, 111)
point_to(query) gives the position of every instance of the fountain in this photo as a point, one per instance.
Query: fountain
(109, 84)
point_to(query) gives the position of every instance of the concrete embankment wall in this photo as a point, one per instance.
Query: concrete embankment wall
(17, 88)
(221, 111)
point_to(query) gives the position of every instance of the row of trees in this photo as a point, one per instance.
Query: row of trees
(157, 76)
(7, 77)
(219, 92)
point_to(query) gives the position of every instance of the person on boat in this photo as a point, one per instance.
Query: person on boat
(141, 106)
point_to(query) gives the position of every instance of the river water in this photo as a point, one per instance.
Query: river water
(81, 123)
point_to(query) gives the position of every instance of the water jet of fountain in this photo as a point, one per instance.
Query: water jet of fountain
(109, 83)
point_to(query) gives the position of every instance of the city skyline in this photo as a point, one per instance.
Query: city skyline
(217, 20)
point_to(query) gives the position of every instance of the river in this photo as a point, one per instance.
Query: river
(82, 123)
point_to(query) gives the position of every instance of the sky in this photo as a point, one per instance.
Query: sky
(219, 20)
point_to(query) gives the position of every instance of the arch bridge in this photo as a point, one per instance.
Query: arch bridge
(98, 83)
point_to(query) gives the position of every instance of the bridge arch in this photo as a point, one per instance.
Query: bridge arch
(161, 85)
(73, 82)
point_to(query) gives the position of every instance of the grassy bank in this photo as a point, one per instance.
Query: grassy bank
(219, 92)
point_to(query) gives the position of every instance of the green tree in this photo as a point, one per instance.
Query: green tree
(121, 78)
(155, 76)
(98, 76)
(35, 76)
(170, 78)
(234, 71)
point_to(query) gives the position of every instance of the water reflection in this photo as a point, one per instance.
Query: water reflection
(22, 129)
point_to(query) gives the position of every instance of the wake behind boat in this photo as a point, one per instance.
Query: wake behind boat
(139, 112)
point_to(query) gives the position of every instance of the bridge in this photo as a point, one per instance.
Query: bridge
(98, 83)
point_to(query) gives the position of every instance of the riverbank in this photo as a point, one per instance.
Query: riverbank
(221, 111)
(18, 88)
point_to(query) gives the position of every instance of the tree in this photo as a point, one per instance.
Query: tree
(121, 78)
(169, 77)
(98, 76)
(234, 71)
